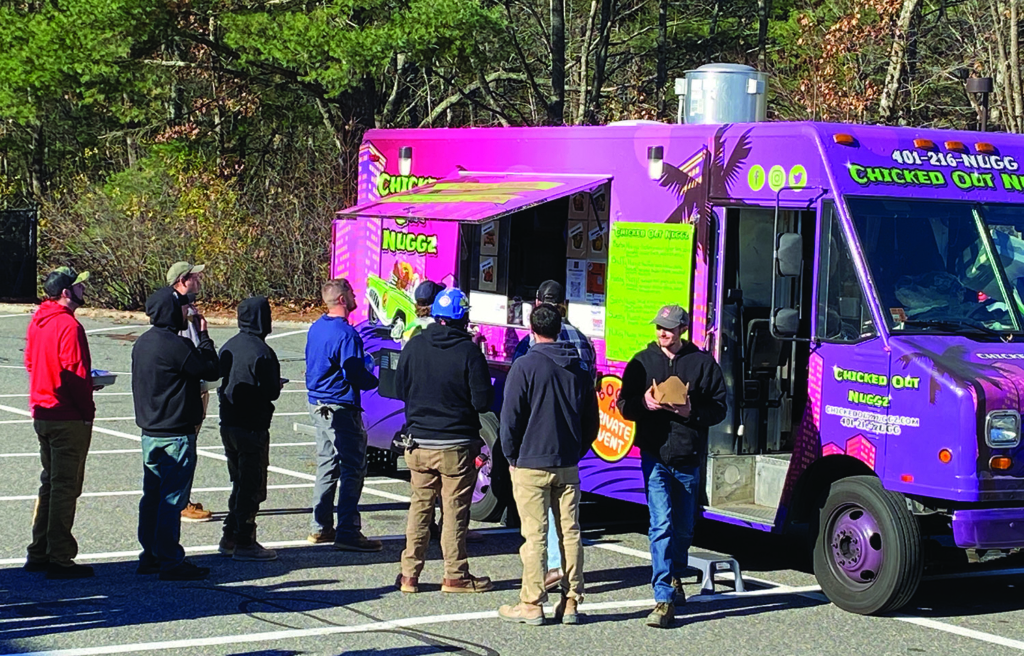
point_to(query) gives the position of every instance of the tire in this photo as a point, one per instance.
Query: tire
(490, 496)
(868, 556)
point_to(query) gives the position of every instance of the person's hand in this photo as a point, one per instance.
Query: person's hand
(202, 323)
(649, 401)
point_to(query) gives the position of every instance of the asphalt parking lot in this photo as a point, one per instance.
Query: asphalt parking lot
(314, 600)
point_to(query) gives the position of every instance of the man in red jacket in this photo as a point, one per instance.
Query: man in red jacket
(59, 368)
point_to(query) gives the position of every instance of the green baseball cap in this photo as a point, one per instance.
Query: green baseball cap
(62, 278)
(179, 269)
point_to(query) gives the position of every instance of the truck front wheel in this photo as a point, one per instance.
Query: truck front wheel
(489, 501)
(868, 554)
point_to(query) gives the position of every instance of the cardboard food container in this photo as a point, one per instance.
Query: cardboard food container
(103, 378)
(672, 392)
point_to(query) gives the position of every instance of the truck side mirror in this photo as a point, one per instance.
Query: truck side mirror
(785, 322)
(789, 254)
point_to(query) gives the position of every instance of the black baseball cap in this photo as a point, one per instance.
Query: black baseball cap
(551, 291)
(426, 292)
(671, 317)
(62, 278)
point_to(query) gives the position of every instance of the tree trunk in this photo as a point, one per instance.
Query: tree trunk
(600, 59)
(1018, 99)
(588, 39)
(661, 75)
(37, 164)
(762, 33)
(556, 106)
(897, 61)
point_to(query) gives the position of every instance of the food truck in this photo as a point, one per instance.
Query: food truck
(861, 287)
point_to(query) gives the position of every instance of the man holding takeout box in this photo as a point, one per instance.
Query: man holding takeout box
(674, 392)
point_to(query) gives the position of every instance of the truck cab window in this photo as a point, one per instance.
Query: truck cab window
(843, 316)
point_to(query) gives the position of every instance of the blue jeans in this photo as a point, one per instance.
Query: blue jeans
(672, 501)
(341, 466)
(554, 553)
(168, 465)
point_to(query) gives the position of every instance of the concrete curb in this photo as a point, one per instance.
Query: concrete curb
(126, 317)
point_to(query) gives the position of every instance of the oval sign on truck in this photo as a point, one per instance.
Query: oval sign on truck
(615, 439)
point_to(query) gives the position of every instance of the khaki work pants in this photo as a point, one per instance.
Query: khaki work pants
(535, 491)
(452, 474)
(63, 446)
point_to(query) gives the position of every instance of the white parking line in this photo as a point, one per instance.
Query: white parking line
(91, 453)
(106, 330)
(137, 493)
(22, 314)
(288, 334)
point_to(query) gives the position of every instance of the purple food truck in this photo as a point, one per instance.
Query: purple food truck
(861, 287)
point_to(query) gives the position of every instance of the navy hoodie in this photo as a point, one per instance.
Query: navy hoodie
(674, 441)
(167, 370)
(444, 381)
(249, 371)
(549, 414)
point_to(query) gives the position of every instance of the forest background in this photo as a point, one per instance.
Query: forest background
(226, 131)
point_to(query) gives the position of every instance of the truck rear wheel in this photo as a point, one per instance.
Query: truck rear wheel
(489, 495)
(868, 554)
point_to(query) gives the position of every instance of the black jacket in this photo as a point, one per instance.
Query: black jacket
(675, 441)
(444, 381)
(166, 370)
(249, 371)
(549, 413)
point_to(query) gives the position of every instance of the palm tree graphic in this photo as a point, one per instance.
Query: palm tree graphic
(689, 183)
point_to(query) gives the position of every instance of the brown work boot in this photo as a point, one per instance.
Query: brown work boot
(468, 584)
(553, 578)
(409, 584)
(254, 552)
(662, 615)
(323, 536)
(194, 512)
(359, 543)
(566, 611)
(523, 613)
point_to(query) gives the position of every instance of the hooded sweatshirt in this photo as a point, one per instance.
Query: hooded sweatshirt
(549, 415)
(673, 440)
(249, 371)
(166, 370)
(59, 366)
(444, 381)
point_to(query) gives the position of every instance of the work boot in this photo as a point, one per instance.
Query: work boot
(323, 536)
(194, 512)
(72, 571)
(36, 566)
(185, 571)
(468, 584)
(566, 611)
(677, 585)
(523, 613)
(408, 584)
(359, 543)
(227, 546)
(662, 615)
(254, 552)
(553, 578)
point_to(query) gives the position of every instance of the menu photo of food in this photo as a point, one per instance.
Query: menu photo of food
(600, 199)
(488, 274)
(596, 276)
(489, 238)
(579, 206)
(577, 238)
(597, 240)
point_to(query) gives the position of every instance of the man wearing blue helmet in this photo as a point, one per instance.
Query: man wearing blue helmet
(443, 379)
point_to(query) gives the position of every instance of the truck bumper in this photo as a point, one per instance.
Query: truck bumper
(994, 528)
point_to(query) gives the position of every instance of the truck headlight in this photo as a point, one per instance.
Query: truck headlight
(1002, 429)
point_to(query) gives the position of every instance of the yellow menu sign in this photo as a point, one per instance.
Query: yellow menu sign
(649, 265)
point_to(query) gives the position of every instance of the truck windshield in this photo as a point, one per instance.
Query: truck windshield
(942, 266)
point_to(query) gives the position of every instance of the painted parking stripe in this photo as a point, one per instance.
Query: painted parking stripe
(106, 330)
(136, 493)
(288, 334)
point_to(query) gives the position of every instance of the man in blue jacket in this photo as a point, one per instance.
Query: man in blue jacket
(336, 371)
(549, 419)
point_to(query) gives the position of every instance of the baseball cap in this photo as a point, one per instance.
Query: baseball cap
(672, 316)
(178, 269)
(450, 304)
(426, 292)
(551, 291)
(62, 278)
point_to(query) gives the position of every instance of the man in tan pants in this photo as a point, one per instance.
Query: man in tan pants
(549, 419)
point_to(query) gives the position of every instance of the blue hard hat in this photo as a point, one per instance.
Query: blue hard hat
(450, 304)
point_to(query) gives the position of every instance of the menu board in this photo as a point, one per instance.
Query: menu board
(649, 265)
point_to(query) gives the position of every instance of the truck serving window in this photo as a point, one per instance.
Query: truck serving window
(935, 265)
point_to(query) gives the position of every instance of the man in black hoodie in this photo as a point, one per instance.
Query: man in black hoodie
(549, 419)
(166, 374)
(443, 379)
(672, 440)
(250, 383)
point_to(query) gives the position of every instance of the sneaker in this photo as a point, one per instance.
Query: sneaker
(185, 571)
(553, 578)
(253, 552)
(148, 568)
(662, 615)
(194, 512)
(408, 584)
(523, 613)
(36, 566)
(566, 611)
(226, 546)
(359, 543)
(323, 536)
(468, 584)
(72, 571)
